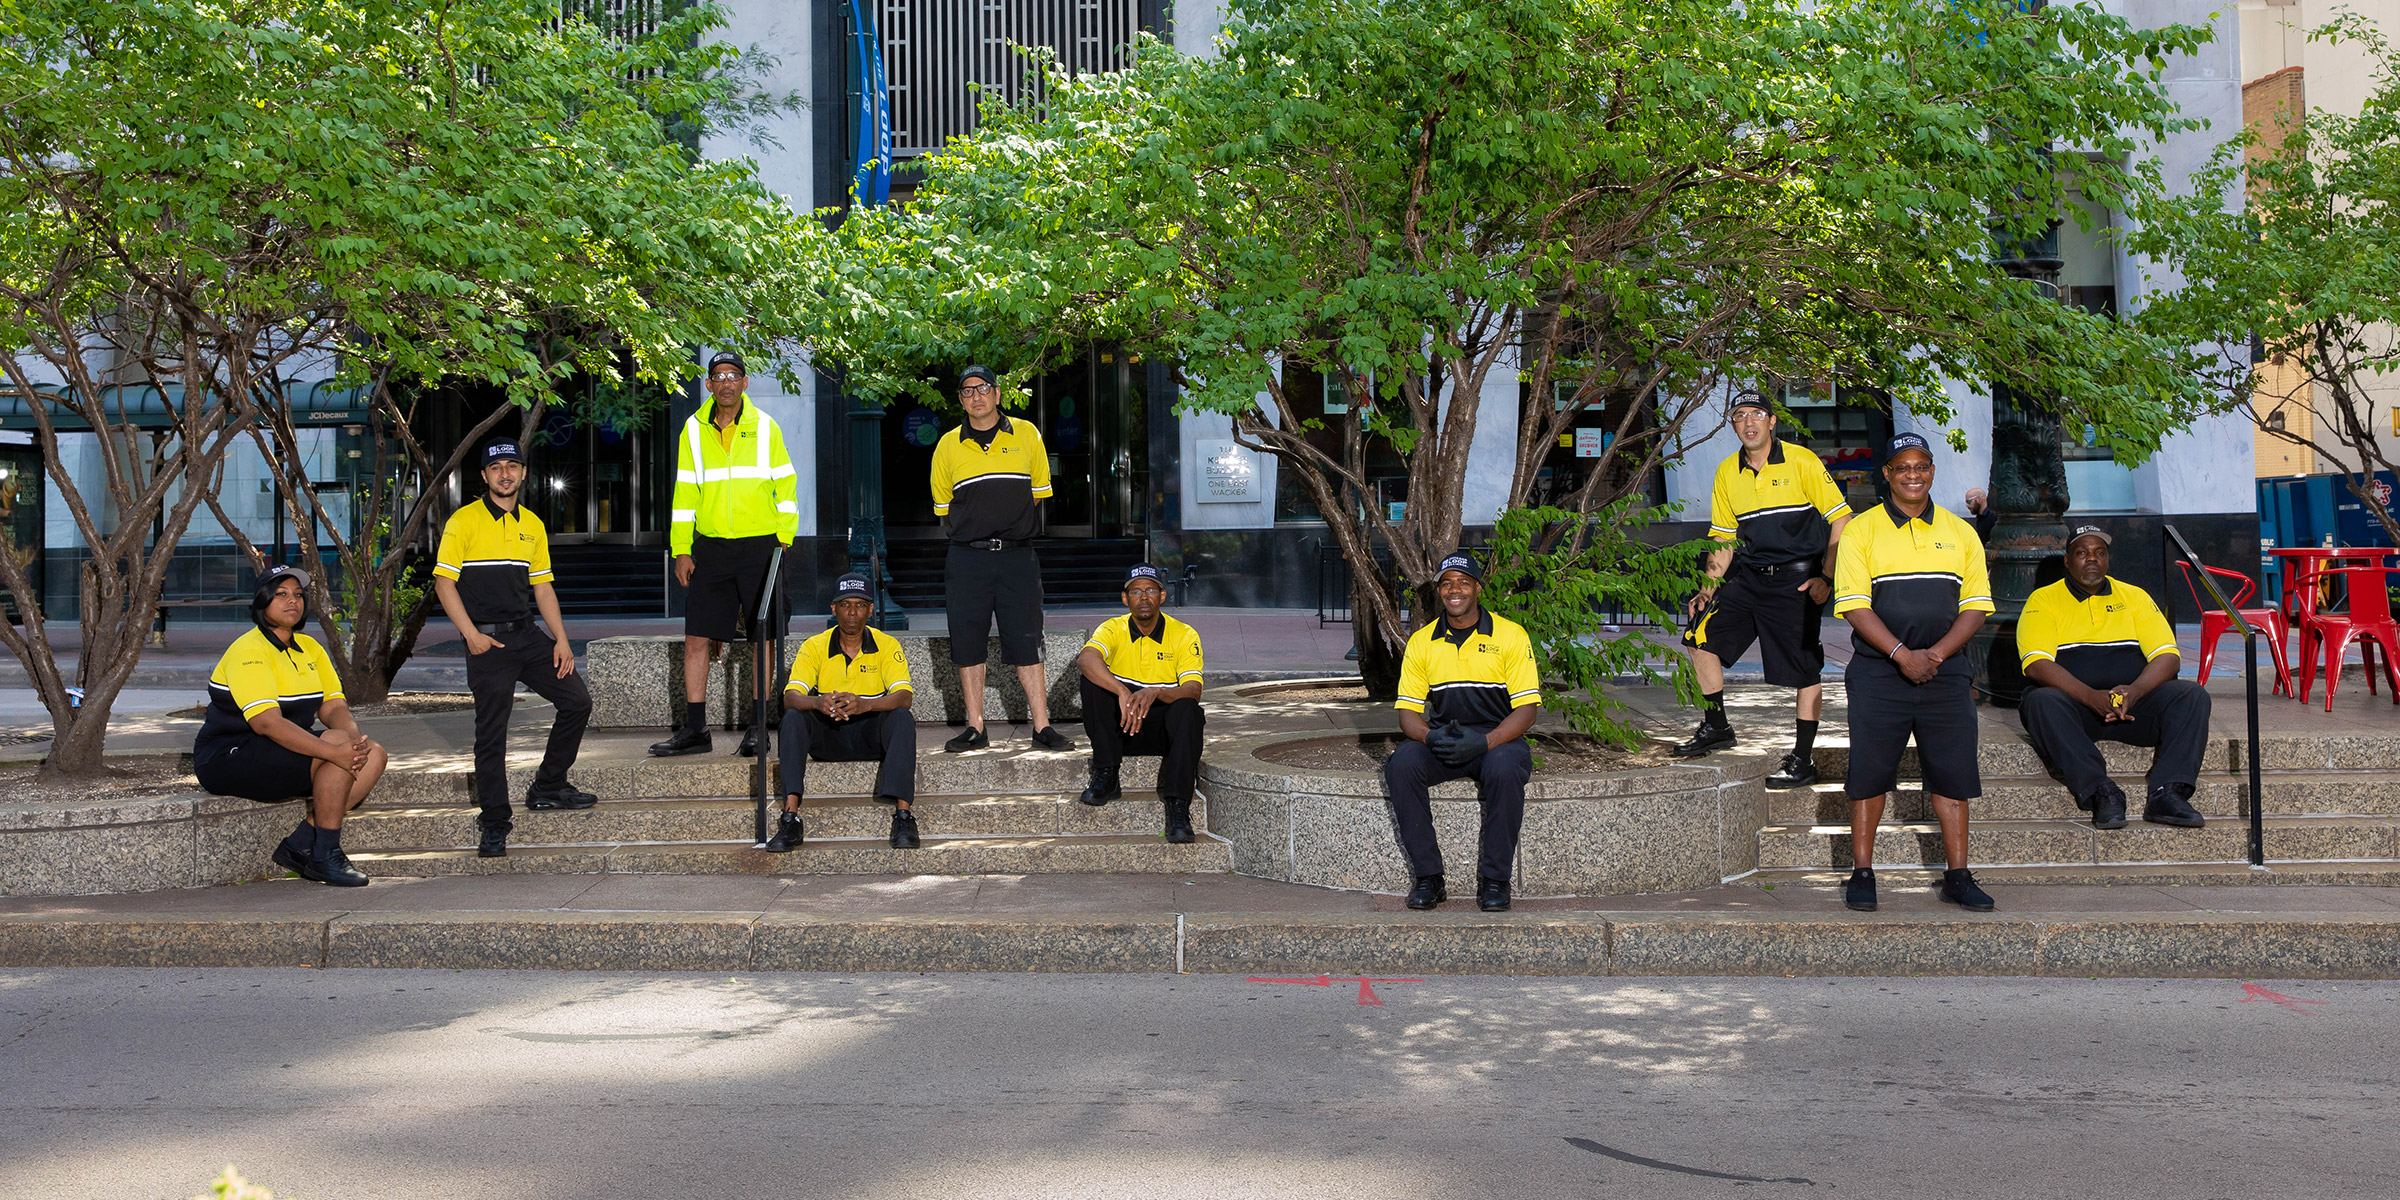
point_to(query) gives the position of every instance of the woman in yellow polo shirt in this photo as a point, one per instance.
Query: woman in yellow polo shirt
(259, 739)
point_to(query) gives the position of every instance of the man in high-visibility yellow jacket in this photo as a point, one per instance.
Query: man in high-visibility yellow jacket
(735, 502)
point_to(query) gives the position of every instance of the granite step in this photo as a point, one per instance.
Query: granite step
(621, 776)
(1997, 843)
(1071, 854)
(2289, 793)
(1890, 877)
(723, 818)
(2005, 753)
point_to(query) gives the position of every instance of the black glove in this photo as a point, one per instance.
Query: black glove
(1454, 745)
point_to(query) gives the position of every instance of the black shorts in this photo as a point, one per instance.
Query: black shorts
(727, 574)
(254, 767)
(983, 584)
(1771, 611)
(1885, 708)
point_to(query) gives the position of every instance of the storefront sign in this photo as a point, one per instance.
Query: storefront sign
(1228, 472)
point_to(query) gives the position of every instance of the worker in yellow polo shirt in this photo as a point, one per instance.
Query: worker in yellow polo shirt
(736, 500)
(2102, 662)
(1469, 691)
(1912, 584)
(847, 701)
(1141, 695)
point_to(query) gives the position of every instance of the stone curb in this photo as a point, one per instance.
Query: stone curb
(2182, 945)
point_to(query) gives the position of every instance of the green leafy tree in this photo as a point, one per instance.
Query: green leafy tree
(1641, 202)
(2306, 272)
(222, 197)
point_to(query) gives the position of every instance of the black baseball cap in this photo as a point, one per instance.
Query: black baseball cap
(1463, 564)
(1145, 571)
(2083, 531)
(853, 585)
(1906, 441)
(979, 371)
(1751, 400)
(727, 358)
(502, 450)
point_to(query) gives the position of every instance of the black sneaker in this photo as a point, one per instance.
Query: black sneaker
(564, 796)
(493, 845)
(1103, 788)
(1858, 895)
(1958, 887)
(2107, 806)
(904, 830)
(2171, 804)
(787, 834)
(686, 740)
(1796, 772)
(1047, 738)
(971, 739)
(1430, 890)
(1706, 737)
(1491, 895)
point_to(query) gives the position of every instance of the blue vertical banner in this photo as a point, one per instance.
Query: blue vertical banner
(872, 182)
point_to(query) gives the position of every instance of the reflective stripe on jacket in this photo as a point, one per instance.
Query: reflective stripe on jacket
(743, 490)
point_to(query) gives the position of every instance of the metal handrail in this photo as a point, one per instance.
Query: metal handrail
(2249, 632)
(765, 652)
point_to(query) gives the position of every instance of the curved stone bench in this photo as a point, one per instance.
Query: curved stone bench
(1665, 828)
(188, 839)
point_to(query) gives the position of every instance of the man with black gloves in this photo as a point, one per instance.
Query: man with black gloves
(490, 574)
(1469, 691)
(1779, 516)
(2102, 660)
(987, 476)
(847, 701)
(1141, 695)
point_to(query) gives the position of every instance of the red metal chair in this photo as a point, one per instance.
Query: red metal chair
(2214, 624)
(2369, 622)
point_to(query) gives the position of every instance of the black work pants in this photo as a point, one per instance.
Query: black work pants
(1171, 732)
(888, 737)
(2173, 717)
(1500, 775)
(493, 676)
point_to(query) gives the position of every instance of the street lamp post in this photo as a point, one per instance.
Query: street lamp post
(2028, 491)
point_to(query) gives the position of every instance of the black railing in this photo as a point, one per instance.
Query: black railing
(2258, 802)
(766, 649)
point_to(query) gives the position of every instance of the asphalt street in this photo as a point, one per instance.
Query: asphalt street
(346, 1085)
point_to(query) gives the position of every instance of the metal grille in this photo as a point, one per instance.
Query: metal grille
(935, 50)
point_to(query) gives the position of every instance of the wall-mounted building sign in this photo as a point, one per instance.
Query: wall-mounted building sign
(1228, 472)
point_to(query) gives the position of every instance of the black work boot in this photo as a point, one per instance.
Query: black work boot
(1713, 733)
(1858, 895)
(1179, 820)
(1103, 787)
(2171, 804)
(904, 830)
(293, 852)
(754, 742)
(686, 740)
(787, 834)
(494, 843)
(1430, 890)
(1491, 895)
(2108, 806)
(328, 865)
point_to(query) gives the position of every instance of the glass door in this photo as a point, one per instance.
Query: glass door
(1064, 408)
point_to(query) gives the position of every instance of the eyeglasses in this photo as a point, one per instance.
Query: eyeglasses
(1912, 468)
(974, 389)
(723, 378)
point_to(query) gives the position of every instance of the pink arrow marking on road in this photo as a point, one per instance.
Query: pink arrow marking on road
(2252, 992)
(1366, 990)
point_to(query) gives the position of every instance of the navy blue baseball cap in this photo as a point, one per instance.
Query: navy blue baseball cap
(1145, 571)
(853, 585)
(723, 358)
(1906, 441)
(1462, 564)
(1750, 400)
(979, 371)
(502, 450)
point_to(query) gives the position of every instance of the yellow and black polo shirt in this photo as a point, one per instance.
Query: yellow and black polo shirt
(819, 666)
(1475, 676)
(992, 478)
(2104, 637)
(1916, 573)
(1782, 514)
(495, 555)
(1164, 657)
(259, 672)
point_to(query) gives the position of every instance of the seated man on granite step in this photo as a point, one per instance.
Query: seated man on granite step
(847, 701)
(1141, 695)
(2103, 662)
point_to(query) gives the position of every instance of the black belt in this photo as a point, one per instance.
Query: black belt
(992, 544)
(1779, 568)
(496, 628)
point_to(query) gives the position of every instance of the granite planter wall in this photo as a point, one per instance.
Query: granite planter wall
(1664, 828)
(637, 682)
(189, 839)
